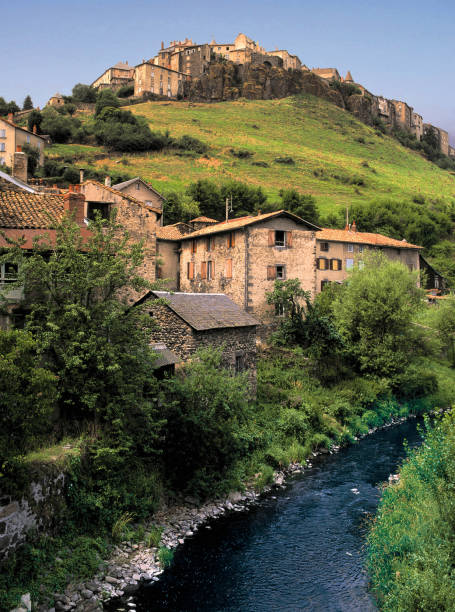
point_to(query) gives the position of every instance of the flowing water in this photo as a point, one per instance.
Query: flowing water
(300, 549)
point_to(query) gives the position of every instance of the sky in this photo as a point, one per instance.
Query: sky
(399, 50)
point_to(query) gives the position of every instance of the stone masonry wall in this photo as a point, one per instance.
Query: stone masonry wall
(40, 507)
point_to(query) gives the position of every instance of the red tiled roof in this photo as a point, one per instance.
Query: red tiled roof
(232, 224)
(203, 220)
(337, 235)
(29, 210)
(172, 232)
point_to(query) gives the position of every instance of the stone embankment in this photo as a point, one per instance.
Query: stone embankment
(132, 564)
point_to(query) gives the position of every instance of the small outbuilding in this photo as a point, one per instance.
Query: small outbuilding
(189, 321)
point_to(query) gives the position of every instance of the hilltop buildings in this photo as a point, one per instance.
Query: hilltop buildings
(12, 139)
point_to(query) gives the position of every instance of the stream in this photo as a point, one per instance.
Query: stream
(300, 548)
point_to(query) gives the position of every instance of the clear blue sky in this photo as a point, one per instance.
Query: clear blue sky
(402, 50)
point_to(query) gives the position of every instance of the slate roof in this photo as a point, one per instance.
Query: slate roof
(233, 224)
(164, 356)
(204, 311)
(29, 210)
(336, 235)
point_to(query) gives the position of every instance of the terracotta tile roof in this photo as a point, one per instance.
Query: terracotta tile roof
(203, 220)
(10, 183)
(203, 311)
(29, 210)
(172, 232)
(232, 224)
(336, 235)
(18, 127)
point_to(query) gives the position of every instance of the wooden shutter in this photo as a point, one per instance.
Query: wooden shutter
(289, 239)
(271, 237)
(212, 244)
(190, 270)
(228, 268)
(271, 272)
(204, 269)
(193, 246)
(232, 239)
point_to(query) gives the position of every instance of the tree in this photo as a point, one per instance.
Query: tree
(106, 98)
(209, 198)
(178, 207)
(374, 315)
(60, 128)
(33, 158)
(84, 93)
(35, 118)
(28, 104)
(302, 205)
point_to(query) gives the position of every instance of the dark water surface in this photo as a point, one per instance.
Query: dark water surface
(303, 550)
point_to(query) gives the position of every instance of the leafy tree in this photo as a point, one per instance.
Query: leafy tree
(12, 107)
(35, 118)
(28, 104)
(33, 157)
(245, 199)
(209, 198)
(84, 93)
(442, 257)
(302, 205)
(126, 91)
(204, 408)
(106, 98)
(374, 315)
(178, 207)
(60, 128)
(28, 396)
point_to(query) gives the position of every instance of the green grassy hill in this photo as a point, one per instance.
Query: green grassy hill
(337, 158)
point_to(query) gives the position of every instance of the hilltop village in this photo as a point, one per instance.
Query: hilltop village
(176, 68)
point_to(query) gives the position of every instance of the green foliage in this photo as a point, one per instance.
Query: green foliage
(28, 104)
(204, 409)
(8, 107)
(125, 91)
(374, 315)
(289, 161)
(84, 93)
(28, 397)
(165, 556)
(33, 157)
(106, 99)
(211, 198)
(61, 128)
(179, 207)
(153, 537)
(301, 205)
(241, 153)
(120, 526)
(35, 118)
(411, 545)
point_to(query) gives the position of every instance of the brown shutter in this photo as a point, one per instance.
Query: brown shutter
(340, 264)
(271, 272)
(212, 243)
(204, 269)
(271, 237)
(232, 239)
(289, 239)
(190, 270)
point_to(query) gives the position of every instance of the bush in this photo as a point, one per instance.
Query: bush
(241, 153)
(126, 91)
(285, 160)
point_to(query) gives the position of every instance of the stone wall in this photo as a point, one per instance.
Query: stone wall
(40, 507)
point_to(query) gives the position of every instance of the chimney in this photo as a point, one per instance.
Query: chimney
(11, 117)
(81, 175)
(107, 181)
(74, 204)
(353, 227)
(20, 165)
(162, 45)
(34, 129)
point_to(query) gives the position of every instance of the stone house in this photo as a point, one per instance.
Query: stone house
(451, 151)
(290, 62)
(13, 138)
(386, 111)
(403, 114)
(442, 135)
(56, 100)
(338, 250)
(142, 191)
(243, 257)
(328, 74)
(417, 125)
(161, 80)
(168, 253)
(189, 321)
(115, 77)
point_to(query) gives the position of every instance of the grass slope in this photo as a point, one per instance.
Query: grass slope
(337, 158)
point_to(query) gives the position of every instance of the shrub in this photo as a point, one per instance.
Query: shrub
(126, 91)
(285, 160)
(165, 556)
(241, 153)
(261, 164)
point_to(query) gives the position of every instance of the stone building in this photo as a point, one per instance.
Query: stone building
(290, 62)
(56, 100)
(442, 136)
(328, 74)
(417, 125)
(403, 114)
(160, 80)
(451, 151)
(12, 139)
(386, 111)
(189, 321)
(338, 250)
(168, 253)
(243, 257)
(142, 191)
(115, 77)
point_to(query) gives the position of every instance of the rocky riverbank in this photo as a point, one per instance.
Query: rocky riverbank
(131, 563)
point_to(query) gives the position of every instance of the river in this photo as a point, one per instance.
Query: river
(301, 548)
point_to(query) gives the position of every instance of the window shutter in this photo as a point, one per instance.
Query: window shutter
(212, 244)
(190, 270)
(271, 272)
(271, 237)
(232, 239)
(204, 269)
(289, 239)
(228, 240)
(340, 264)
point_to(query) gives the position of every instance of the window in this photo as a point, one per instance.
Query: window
(324, 246)
(193, 246)
(2, 133)
(349, 264)
(239, 363)
(8, 272)
(208, 244)
(210, 270)
(280, 238)
(2, 146)
(322, 263)
(335, 264)
(350, 248)
(28, 139)
(280, 272)
(231, 240)
(190, 270)
(101, 208)
(360, 248)
(228, 268)
(279, 310)
(138, 186)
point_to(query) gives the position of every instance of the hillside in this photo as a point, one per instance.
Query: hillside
(337, 158)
